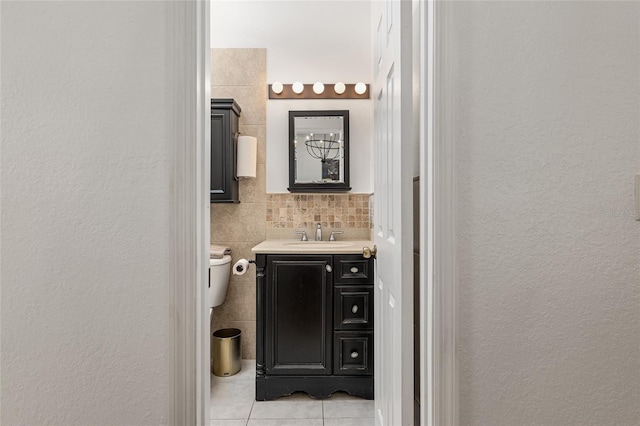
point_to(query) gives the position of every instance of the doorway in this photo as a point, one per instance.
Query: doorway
(427, 344)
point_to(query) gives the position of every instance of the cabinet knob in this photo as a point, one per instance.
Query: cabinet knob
(354, 309)
(354, 269)
(354, 354)
(328, 268)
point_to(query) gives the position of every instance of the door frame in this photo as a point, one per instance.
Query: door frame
(188, 67)
(188, 55)
(438, 311)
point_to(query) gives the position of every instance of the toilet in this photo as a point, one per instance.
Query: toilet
(219, 270)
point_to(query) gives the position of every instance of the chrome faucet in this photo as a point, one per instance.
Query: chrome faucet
(332, 237)
(304, 235)
(318, 232)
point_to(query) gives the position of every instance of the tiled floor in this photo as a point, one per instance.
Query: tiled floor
(233, 404)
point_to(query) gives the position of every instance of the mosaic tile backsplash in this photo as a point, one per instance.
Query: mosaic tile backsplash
(331, 210)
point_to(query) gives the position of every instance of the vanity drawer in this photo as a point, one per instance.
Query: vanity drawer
(353, 307)
(353, 353)
(353, 269)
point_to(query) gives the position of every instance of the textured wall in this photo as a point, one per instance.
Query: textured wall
(85, 214)
(549, 252)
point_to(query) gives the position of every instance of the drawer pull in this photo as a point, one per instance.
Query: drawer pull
(328, 268)
(354, 309)
(354, 354)
(354, 269)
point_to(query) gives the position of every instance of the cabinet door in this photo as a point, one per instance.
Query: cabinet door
(224, 133)
(298, 329)
(219, 155)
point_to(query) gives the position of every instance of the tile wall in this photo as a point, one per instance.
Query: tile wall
(241, 74)
(330, 210)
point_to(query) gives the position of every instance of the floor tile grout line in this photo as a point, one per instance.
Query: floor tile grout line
(293, 418)
(253, 401)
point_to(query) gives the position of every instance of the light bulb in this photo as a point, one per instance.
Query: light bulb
(361, 88)
(339, 88)
(318, 88)
(297, 87)
(277, 87)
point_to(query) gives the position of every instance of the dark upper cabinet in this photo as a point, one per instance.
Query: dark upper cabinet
(225, 114)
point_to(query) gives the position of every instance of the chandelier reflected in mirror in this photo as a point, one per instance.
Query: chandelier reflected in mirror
(324, 146)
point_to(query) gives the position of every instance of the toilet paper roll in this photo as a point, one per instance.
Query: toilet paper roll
(240, 267)
(247, 156)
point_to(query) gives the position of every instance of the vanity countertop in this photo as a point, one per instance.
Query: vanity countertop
(315, 247)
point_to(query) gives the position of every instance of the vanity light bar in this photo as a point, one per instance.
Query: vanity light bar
(278, 90)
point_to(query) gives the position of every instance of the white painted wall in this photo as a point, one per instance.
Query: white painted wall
(85, 214)
(307, 41)
(548, 250)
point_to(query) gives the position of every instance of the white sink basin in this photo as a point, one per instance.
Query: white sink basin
(316, 245)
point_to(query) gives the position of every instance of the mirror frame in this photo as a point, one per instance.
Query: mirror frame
(324, 186)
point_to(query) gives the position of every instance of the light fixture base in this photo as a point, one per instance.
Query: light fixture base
(328, 93)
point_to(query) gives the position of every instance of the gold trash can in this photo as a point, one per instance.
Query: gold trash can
(226, 352)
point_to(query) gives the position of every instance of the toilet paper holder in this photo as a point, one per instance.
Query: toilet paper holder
(242, 266)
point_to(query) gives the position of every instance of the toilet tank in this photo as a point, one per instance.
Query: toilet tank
(219, 271)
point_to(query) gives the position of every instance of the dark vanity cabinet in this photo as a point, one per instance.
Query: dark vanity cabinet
(225, 114)
(298, 326)
(314, 325)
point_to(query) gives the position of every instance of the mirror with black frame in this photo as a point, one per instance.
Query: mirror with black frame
(319, 151)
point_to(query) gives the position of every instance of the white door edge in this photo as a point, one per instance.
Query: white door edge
(438, 364)
(203, 232)
(394, 136)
